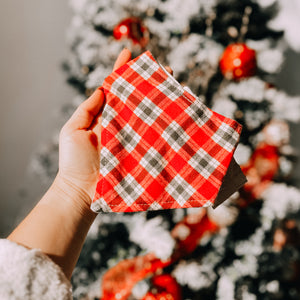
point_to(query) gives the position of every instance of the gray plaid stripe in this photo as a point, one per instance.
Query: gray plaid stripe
(108, 114)
(175, 136)
(147, 111)
(129, 189)
(100, 205)
(199, 113)
(180, 190)
(155, 206)
(145, 66)
(107, 162)
(122, 89)
(187, 89)
(128, 138)
(171, 89)
(226, 137)
(153, 162)
(203, 163)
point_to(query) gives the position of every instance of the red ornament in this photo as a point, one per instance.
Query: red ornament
(261, 170)
(158, 296)
(238, 61)
(133, 29)
(118, 281)
(165, 288)
(189, 232)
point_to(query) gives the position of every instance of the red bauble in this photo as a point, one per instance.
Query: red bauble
(261, 170)
(190, 231)
(133, 29)
(118, 281)
(238, 61)
(158, 296)
(166, 288)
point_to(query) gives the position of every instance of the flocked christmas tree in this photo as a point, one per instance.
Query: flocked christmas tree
(228, 52)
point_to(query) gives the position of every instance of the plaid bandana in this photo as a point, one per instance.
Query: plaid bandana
(161, 147)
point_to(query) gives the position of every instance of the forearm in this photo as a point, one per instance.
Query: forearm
(57, 225)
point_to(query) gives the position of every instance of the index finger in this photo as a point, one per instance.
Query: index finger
(123, 58)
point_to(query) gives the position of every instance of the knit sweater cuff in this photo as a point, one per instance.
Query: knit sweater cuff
(30, 274)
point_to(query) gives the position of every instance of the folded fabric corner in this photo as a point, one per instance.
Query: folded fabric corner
(161, 147)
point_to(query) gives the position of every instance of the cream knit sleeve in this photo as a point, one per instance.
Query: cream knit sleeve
(29, 274)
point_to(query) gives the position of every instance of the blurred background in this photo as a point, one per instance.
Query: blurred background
(33, 89)
(33, 93)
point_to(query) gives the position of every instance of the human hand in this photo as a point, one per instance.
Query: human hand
(79, 145)
(60, 221)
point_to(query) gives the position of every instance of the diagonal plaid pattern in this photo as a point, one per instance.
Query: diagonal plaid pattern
(153, 162)
(145, 67)
(107, 162)
(128, 138)
(147, 111)
(170, 90)
(108, 115)
(203, 163)
(162, 147)
(225, 136)
(180, 190)
(175, 136)
(199, 113)
(122, 89)
(129, 189)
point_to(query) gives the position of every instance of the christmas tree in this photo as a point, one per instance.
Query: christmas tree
(228, 52)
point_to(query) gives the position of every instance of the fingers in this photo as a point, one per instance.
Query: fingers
(123, 58)
(86, 112)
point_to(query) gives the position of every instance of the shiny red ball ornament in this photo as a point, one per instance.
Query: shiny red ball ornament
(165, 287)
(158, 296)
(133, 29)
(189, 231)
(261, 170)
(238, 61)
(117, 282)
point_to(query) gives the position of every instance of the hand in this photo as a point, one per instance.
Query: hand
(79, 144)
(60, 221)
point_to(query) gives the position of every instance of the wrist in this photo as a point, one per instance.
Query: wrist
(70, 197)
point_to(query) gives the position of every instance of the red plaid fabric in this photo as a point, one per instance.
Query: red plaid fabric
(162, 148)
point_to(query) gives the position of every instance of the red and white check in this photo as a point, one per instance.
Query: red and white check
(161, 147)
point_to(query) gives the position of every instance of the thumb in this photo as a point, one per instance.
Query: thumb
(86, 112)
(123, 58)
